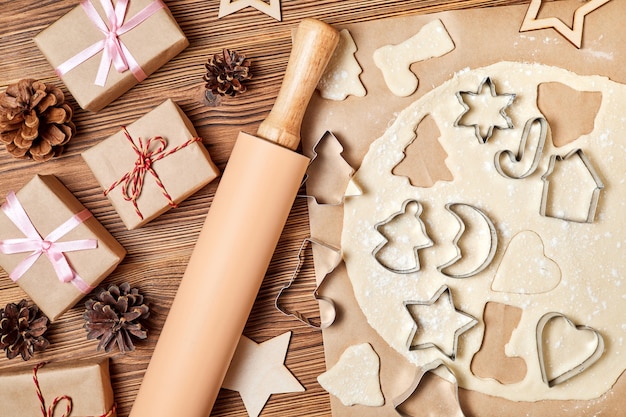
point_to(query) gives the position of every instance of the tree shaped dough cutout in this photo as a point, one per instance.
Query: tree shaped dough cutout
(341, 77)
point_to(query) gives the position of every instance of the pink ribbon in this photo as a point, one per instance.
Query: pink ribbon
(114, 50)
(34, 242)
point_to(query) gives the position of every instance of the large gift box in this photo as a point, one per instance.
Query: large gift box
(86, 384)
(100, 49)
(151, 165)
(52, 246)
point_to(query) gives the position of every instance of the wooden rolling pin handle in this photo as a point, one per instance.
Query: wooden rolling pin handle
(314, 43)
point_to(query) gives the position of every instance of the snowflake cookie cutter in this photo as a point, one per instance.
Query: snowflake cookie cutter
(422, 229)
(493, 243)
(594, 196)
(466, 108)
(421, 373)
(551, 381)
(517, 157)
(330, 262)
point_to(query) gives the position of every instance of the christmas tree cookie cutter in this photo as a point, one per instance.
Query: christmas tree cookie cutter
(519, 156)
(493, 242)
(508, 124)
(597, 353)
(329, 259)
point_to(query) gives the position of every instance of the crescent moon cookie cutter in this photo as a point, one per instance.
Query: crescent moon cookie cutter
(519, 156)
(597, 353)
(331, 259)
(508, 124)
(493, 242)
(412, 209)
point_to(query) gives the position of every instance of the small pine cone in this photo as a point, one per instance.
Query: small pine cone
(35, 120)
(22, 329)
(227, 73)
(114, 316)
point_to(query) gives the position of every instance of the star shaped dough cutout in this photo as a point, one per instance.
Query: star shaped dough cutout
(573, 34)
(484, 110)
(271, 9)
(257, 371)
(438, 323)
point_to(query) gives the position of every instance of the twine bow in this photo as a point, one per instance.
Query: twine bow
(49, 245)
(133, 180)
(114, 51)
(49, 412)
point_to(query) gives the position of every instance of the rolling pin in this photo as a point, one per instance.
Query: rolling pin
(235, 245)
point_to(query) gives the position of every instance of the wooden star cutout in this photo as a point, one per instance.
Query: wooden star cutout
(573, 34)
(258, 371)
(438, 323)
(231, 6)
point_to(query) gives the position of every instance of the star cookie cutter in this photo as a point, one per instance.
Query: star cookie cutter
(422, 229)
(422, 371)
(493, 244)
(576, 370)
(466, 108)
(594, 194)
(517, 157)
(329, 265)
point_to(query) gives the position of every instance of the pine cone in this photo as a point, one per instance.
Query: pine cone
(226, 73)
(22, 329)
(114, 316)
(35, 121)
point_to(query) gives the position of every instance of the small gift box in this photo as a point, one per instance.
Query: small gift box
(52, 246)
(102, 48)
(151, 165)
(82, 386)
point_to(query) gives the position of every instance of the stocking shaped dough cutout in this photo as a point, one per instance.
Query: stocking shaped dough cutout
(394, 61)
(355, 377)
(525, 268)
(341, 77)
(565, 349)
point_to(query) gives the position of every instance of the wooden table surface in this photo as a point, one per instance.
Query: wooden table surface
(158, 252)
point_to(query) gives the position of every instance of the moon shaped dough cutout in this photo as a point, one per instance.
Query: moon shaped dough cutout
(591, 291)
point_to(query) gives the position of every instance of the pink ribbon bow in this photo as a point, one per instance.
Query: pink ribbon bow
(114, 50)
(49, 246)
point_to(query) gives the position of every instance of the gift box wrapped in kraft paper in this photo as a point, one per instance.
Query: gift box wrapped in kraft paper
(102, 48)
(151, 165)
(53, 247)
(85, 386)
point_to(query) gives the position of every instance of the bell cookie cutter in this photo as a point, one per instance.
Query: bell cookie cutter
(595, 193)
(593, 358)
(329, 268)
(517, 157)
(493, 244)
(466, 108)
(457, 332)
(428, 243)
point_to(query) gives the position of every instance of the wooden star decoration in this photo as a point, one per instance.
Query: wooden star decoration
(258, 371)
(438, 323)
(573, 34)
(271, 9)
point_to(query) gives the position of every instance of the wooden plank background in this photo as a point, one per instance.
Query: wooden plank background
(158, 252)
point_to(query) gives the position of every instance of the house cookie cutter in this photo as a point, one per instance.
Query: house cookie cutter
(593, 358)
(517, 157)
(493, 244)
(416, 249)
(328, 267)
(422, 371)
(595, 193)
(466, 108)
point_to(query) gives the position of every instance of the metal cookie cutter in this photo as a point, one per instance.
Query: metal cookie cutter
(517, 157)
(594, 194)
(427, 241)
(493, 244)
(329, 263)
(440, 293)
(430, 367)
(492, 88)
(590, 360)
